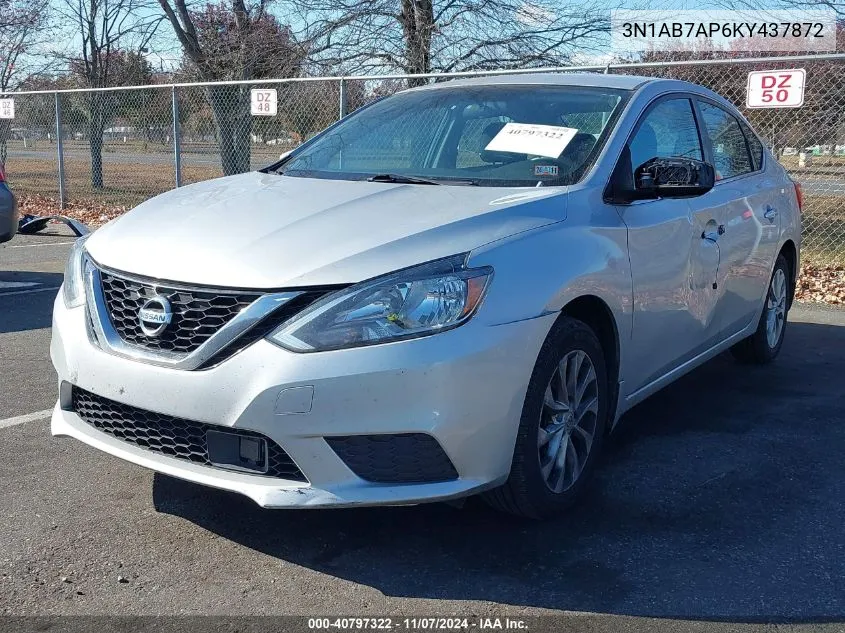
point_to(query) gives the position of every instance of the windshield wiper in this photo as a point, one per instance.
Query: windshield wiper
(416, 180)
(401, 178)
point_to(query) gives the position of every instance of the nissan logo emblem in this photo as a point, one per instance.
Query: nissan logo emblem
(155, 315)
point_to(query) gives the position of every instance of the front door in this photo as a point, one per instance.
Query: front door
(673, 246)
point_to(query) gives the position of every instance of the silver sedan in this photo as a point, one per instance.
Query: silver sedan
(455, 290)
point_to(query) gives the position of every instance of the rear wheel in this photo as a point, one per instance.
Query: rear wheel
(764, 345)
(562, 426)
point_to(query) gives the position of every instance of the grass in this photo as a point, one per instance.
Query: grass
(114, 146)
(823, 239)
(825, 160)
(126, 184)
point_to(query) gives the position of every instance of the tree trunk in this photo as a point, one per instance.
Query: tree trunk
(96, 128)
(417, 26)
(230, 105)
(5, 133)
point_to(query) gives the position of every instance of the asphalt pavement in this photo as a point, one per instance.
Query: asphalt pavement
(718, 506)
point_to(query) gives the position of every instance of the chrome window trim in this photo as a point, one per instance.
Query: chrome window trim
(110, 341)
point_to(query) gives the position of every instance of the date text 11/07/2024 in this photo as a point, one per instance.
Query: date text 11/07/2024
(418, 624)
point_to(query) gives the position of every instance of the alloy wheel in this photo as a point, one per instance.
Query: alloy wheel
(776, 308)
(568, 421)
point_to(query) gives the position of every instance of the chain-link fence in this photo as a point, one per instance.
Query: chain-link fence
(117, 147)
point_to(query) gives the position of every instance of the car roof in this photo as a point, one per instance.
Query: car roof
(592, 80)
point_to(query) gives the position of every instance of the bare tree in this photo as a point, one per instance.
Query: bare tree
(837, 6)
(427, 36)
(233, 41)
(23, 29)
(113, 35)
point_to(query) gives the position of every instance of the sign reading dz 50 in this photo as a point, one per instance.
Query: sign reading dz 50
(776, 88)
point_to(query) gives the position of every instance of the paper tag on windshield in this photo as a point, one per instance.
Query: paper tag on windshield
(537, 140)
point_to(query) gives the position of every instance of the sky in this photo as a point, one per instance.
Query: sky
(165, 54)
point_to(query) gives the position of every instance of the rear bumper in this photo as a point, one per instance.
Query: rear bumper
(465, 388)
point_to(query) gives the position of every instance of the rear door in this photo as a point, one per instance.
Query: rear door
(744, 203)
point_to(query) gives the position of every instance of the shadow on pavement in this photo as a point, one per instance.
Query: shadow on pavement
(720, 498)
(22, 309)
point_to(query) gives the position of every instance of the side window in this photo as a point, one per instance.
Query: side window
(730, 153)
(667, 131)
(755, 146)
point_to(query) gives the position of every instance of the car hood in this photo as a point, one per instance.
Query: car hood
(260, 230)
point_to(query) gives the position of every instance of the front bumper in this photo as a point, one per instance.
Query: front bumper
(464, 387)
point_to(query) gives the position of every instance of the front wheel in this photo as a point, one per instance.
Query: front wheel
(562, 427)
(764, 345)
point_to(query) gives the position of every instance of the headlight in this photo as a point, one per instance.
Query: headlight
(409, 303)
(73, 288)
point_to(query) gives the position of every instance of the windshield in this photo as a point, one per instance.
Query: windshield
(481, 135)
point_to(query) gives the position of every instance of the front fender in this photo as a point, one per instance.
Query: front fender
(540, 271)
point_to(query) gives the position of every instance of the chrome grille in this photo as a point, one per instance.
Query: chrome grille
(197, 314)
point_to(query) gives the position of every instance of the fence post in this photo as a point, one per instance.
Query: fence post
(342, 111)
(177, 141)
(60, 152)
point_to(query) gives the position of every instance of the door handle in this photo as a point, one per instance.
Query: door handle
(771, 213)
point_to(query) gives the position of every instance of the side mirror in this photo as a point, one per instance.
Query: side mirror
(658, 178)
(674, 177)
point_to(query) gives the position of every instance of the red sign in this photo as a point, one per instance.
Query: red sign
(776, 88)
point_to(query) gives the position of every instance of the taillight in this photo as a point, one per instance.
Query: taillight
(2, 173)
(799, 195)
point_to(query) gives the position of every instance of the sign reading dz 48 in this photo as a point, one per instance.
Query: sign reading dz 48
(776, 88)
(7, 108)
(263, 102)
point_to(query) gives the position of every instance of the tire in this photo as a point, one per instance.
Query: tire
(530, 491)
(764, 345)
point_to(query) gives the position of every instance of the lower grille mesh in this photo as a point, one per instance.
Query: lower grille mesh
(402, 458)
(168, 435)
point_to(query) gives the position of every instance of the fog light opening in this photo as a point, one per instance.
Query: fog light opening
(237, 452)
(66, 396)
